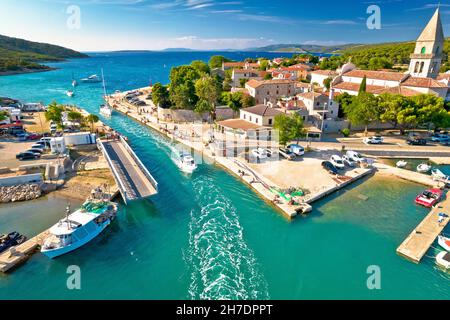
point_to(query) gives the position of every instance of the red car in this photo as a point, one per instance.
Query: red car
(34, 136)
(429, 198)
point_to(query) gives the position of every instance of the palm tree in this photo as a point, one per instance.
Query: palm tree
(92, 119)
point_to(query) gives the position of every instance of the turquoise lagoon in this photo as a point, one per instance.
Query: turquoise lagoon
(208, 236)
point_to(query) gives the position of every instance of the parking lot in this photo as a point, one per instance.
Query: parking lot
(8, 151)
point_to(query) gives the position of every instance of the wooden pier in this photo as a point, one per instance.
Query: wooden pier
(423, 236)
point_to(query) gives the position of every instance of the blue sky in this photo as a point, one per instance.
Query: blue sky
(213, 24)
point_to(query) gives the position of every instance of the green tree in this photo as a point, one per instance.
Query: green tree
(242, 82)
(200, 66)
(3, 115)
(54, 113)
(268, 76)
(182, 87)
(160, 96)
(344, 100)
(363, 110)
(233, 100)
(248, 101)
(290, 127)
(327, 83)
(75, 116)
(92, 119)
(217, 61)
(398, 110)
(263, 64)
(431, 111)
(208, 92)
(363, 86)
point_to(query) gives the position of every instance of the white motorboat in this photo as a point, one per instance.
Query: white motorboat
(438, 175)
(74, 83)
(423, 168)
(106, 110)
(401, 164)
(186, 162)
(79, 228)
(92, 79)
(444, 242)
(70, 93)
(443, 260)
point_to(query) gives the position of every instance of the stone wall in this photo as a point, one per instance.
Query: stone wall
(24, 192)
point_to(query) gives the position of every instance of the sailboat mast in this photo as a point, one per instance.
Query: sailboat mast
(104, 85)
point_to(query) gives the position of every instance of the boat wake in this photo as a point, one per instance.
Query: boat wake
(222, 266)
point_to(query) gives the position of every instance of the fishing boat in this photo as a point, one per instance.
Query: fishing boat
(444, 242)
(186, 163)
(79, 228)
(423, 168)
(429, 198)
(401, 164)
(70, 93)
(105, 109)
(443, 260)
(92, 79)
(10, 240)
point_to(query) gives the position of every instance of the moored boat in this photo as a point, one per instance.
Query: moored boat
(444, 242)
(92, 79)
(438, 175)
(10, 240)
(70, 93)
(79, 228)
(423, 168)
(401, 164)
(443, 260)
(429, 198)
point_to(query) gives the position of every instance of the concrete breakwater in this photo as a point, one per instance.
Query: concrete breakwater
(23, 192)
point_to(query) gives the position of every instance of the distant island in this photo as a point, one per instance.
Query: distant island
(22, 56)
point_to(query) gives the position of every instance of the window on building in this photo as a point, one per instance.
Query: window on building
(318, 103)
(422, 64)
(437, 49)
(416, 69)
(250, 118)
(245, 116)
(270, 122)
(256, 120)
(424, 50)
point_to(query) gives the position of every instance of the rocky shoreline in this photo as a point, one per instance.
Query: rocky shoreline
(24, 192)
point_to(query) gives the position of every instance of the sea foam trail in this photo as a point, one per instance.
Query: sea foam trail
(222, 266)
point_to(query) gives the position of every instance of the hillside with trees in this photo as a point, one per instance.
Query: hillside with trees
(19, 56)
(380, 56)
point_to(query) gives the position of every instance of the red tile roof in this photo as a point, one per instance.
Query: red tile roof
(262, 110)
(377, 75)
(325, 72)
(257, 83)
(423, 83)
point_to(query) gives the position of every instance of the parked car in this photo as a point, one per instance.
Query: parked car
(416, 141)
(337, 162)
(445, 142)
(36, 152)
(27, 155)
(373, 140)
(355, 156)
(287, 154)
(348, 161)
(328, 166)
(34, 136)
(40, 146)
(296, 149)
(22, 136)
(439, 137)
(259, 153)
(140, 103)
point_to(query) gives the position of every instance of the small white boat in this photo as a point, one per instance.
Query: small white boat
(79, 228)
(74, 83)
(443, 260)
(92, 79)
(423, 168)
(444, 242)
(438, 175)
(70, 93)
(186, 163)
(106, 110)
(401, 164)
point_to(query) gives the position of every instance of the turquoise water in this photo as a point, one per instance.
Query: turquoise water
(210, 237)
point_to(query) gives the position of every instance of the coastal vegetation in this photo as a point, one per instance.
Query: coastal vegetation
(55, 113)
(195, 87)
(290, 127)
(17, 55)
(379, 56)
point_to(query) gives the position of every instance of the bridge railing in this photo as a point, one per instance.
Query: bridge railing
(116, 175)
(140, 164)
